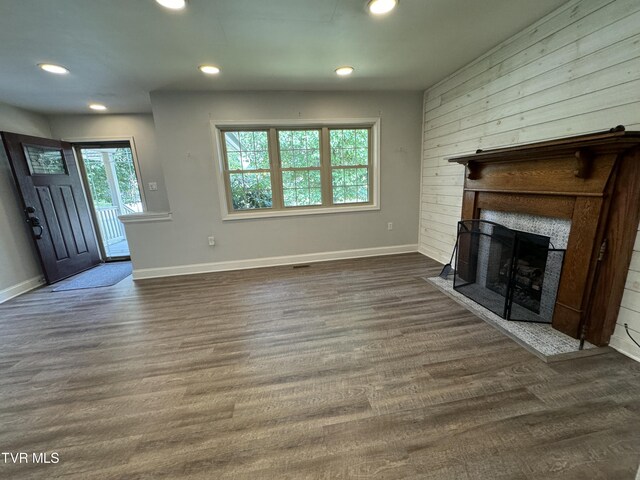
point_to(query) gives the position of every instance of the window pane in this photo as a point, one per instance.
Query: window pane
(314, 178)
(247, 150)
(289, 196)
(350, 194)
(288, 179)
(337, 177)
(302, 196)
(234, 160)
(363, 193)
(45, 160)
(349, 147)
(362, 176)
(350, 176)
(302, 179)
(246, 141)
(301, 188)
(362, 139)
(362, 156)
(315, 196)
(261, 160)
(286, 158)
(299, 148)
(250, 190)
(350, 185)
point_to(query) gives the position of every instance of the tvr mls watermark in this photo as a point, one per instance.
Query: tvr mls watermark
(33, 457)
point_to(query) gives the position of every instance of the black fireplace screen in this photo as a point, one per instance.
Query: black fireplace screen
(512, 273)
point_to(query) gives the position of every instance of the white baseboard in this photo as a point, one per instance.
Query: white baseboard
(20, 288)
(140, 274)
(625, 347)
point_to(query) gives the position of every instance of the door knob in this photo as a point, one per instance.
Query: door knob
(35, 223)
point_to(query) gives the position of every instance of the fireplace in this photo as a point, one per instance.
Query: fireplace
(513, 273)
(591, 184)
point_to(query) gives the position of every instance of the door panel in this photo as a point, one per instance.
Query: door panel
(49, 183)
(74, 218)
(52, 223)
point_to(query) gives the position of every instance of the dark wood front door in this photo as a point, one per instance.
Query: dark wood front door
(54, 204)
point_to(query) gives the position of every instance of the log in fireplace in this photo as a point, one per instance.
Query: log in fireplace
(593, 181)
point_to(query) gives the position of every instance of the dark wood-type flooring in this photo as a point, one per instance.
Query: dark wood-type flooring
(343, 370)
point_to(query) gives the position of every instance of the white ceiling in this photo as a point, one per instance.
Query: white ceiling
(120, 50)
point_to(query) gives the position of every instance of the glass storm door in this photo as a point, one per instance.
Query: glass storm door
(112, 181)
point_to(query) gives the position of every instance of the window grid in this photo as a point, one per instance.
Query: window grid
(350, 185)
(306, 168)
(301, 179)
(45, 160)
(249, 179)
(350, 165)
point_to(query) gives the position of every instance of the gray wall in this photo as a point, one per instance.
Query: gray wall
(18, 257)
(185, 150)
(140, 127)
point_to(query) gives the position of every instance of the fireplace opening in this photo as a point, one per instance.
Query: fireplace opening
(514, 274)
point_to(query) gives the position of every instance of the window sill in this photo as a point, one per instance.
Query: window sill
(145, 217)
(298, 212)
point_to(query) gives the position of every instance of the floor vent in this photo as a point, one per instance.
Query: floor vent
(301, 266)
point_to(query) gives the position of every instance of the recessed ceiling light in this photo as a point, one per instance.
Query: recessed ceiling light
(173, 4)
(380, 7)
(344, 71)
(52, 68)
(209, 69)
(97, 106)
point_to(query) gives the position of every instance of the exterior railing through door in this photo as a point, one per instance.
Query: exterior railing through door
(111, 227)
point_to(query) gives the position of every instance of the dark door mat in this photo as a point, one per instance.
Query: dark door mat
(103, 275)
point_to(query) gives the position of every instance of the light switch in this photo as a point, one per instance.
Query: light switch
(153, 186)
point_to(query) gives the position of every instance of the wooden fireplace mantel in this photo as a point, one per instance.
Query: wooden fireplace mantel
(593, 180)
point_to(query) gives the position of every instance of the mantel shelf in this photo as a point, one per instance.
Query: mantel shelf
(603, 142)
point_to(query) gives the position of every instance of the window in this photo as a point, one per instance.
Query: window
(350, 165)
(45, 160)
(249, 169)
(292, 169)
(300, 165)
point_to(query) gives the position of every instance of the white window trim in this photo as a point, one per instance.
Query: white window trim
(229, 214)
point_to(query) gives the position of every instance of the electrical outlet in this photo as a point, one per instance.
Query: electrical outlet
(153, 186)
(212, 241)
(390, 226)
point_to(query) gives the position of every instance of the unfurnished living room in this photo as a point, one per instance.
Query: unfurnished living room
(304, 239)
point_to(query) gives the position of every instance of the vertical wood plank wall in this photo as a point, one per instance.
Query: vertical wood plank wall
(575, 71)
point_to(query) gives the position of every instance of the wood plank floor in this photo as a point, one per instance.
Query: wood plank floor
(348, 369)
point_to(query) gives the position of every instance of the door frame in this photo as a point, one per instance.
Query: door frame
(104, 142)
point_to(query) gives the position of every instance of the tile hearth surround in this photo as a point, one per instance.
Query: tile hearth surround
(540, 339)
